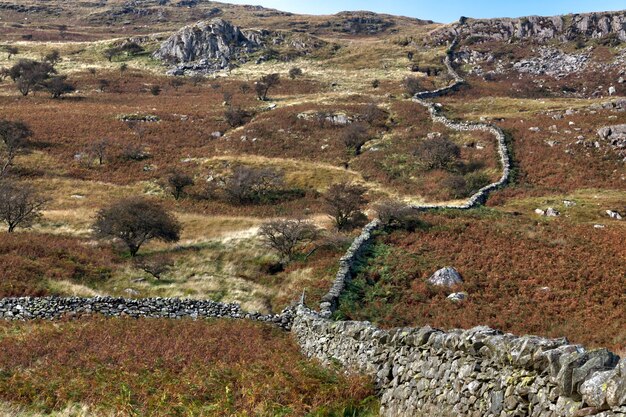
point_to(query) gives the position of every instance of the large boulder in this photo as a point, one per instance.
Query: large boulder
(446, 277)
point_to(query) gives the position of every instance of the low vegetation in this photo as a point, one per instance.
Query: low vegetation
(555, 278)
(209, 368)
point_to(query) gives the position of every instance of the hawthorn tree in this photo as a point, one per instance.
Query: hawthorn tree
(295, 72)
(236, 116)
(176, 181)
(263, 86)
(20, 205)
(99, 150)
(412, 85)
(344, 202)
(58, 85)
(13, 140)
(52, 57)
(354, 136)
(29, 75)
(11, 50)
(287, 236)
(155, 265)
(135, 221)
(247, 185)
(395, 214)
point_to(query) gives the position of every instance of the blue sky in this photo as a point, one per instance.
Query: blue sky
(443, 11)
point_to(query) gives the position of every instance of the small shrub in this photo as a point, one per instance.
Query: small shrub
(437, 153)
(395, 214)
(155, 90)
(236, 116)
(411, 86)
(295, 73)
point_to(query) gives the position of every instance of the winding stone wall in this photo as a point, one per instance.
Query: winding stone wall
(477, 372)
(31, 308)
(346, 264)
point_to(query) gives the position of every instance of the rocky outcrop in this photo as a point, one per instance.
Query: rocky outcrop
(217, 44)
(553, 62)
(474, 372)
(539, 28)
(616, 138)
(209, 45)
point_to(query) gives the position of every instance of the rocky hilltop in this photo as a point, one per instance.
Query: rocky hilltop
(217, 44)
(565, 28)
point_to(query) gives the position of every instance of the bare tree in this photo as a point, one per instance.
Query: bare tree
(247, 185)
(135, 221)
(396, 214)
(155, 265)
(344, 202)
(99, 149)
(437, 153)
(263, 86)
(287, 236)
(13, 139)
(176, 181)
(20, 205)
(354, 136)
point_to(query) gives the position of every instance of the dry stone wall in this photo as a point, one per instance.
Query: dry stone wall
(31, 308)
(477, 372)
(346, 264)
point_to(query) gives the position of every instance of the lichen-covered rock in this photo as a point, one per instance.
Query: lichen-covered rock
(616, 386)
(594, 389)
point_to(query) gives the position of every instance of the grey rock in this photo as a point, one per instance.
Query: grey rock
(457, 296)
(446, 277)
